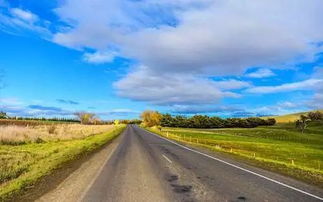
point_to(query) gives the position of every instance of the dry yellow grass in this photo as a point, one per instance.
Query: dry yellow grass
(22, 134)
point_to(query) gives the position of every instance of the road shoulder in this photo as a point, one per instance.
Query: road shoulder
(68, 182)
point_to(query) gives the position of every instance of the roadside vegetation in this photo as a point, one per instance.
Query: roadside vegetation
(15, 135)
(27, 153)
(282, 148)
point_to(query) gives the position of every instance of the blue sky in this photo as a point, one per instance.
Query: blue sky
(117, 58)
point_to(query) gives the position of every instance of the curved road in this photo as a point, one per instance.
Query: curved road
(146, 167)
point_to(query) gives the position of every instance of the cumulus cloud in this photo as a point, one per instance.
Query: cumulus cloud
(261, 73)
(194, 40)
(142, 85)
(183, 43)
(254, 33)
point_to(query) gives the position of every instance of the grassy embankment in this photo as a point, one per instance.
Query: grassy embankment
(24, 159)
(279, 148)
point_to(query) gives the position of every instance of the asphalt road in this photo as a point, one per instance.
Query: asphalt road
(146, 167)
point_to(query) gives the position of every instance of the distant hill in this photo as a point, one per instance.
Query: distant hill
(290, 117)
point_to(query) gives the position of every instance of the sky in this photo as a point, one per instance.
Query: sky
(116, 58)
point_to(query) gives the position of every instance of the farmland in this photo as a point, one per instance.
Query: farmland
(27, 153)
(279, 148)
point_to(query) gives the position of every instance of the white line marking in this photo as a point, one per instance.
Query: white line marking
(167, 158)
(240, 168)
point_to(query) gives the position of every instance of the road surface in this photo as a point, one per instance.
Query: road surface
(142, 167)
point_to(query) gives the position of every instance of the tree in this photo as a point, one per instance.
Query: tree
(3, 115)
(315, 116)
(151, 118)
(85, 117)
(302, 123)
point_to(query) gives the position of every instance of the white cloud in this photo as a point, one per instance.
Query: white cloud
(194, 40)
(302, 85)
(99, 57)
(17, 21)
(261, 73)
(254, 32)
(169, 89)
(24, 15)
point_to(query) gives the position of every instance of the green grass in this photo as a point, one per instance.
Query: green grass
(288, 117)
(22, 165)
(280, 148)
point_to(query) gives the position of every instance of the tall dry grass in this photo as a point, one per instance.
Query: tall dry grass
(54, 132)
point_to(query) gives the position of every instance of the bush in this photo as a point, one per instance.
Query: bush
(51, 129)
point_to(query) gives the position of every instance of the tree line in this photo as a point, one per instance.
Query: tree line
(4, 115)
(203, 121)
(154, 118)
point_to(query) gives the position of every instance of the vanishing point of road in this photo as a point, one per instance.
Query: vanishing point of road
(141, 166)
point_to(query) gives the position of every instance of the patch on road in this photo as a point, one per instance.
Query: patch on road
(181, 188)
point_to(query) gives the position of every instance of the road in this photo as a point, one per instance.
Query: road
(145, 167)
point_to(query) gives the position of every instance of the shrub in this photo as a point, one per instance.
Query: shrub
(51, 129)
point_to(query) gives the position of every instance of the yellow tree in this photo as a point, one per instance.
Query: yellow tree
(151, 118)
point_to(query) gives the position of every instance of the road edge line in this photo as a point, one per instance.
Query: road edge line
(167, 158)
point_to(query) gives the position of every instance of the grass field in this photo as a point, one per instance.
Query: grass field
(15, 135)
(23, 164)
(288, 117)
(280, 148)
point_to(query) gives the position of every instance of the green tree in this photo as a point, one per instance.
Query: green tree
(302, 123)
